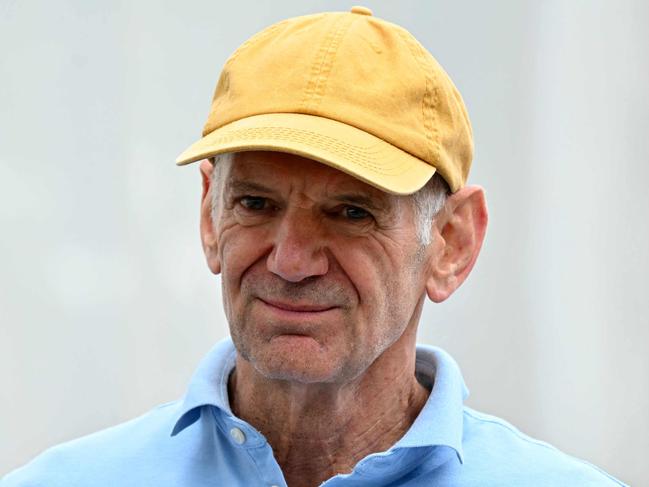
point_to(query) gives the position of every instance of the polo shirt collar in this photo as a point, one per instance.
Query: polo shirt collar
(440, 422)
(208, 385)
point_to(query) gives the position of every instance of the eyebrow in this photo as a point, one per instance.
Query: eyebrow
(240, 186)
(360, 200)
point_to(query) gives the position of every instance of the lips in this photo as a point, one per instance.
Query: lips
(297, 307)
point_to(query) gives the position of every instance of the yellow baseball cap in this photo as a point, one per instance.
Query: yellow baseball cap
(349, 90)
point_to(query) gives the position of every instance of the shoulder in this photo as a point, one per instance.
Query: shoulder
(493, 445)
(98, 457)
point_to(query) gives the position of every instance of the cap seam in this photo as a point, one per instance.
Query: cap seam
(321, 70)
(429, 100)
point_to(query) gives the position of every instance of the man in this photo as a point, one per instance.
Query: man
(334, 165)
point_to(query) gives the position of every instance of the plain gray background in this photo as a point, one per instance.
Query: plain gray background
(106, 305)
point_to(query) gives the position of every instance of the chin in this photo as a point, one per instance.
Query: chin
(306, 369)
(295, 358)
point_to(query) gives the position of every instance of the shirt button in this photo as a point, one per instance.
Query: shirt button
(238, 436)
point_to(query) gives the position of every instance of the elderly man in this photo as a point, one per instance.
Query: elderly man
(334, 201)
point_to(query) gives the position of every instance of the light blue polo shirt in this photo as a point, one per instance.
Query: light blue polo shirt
(198, 442)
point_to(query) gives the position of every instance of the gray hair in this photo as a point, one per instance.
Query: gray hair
(427, 202)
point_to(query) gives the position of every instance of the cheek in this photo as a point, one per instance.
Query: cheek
(389, 285)
(371, 268)
(239, 251)
(369, 275)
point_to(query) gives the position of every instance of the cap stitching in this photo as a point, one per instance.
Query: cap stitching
(333, 50)
(320, 70)
(316, 67)
(429, 99)
(359, 155)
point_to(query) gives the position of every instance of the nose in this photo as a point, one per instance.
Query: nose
(299, 248)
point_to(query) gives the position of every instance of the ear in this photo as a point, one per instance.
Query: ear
(459, 232)
(208, 233)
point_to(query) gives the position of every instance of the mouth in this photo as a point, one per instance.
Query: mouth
(298, 308)
(297, 324)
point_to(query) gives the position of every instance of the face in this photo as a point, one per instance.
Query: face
(321, 273)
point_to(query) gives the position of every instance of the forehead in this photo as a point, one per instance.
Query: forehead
(280, 169)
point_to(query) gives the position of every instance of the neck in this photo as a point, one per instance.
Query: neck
(320, 430)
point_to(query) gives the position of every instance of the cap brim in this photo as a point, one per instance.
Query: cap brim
(331, 142)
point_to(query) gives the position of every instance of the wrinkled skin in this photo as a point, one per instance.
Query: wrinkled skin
(352, 275)
(323, 285)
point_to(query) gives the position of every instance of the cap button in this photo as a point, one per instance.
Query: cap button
(361, 10)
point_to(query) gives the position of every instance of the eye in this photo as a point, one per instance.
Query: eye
(355, 213)
(254, 203)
